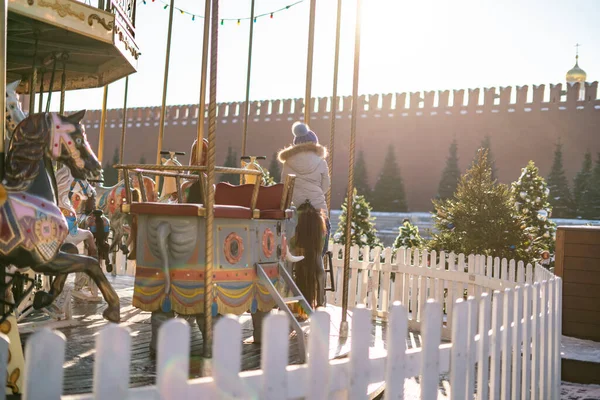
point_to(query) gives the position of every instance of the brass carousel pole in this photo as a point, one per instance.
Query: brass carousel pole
(124, 128)
(33, 79)
(210, 164)
(4, 17)
(63, 83)
(334, 103)
(102, 125)
(309, 62)
(247, 103)
(349, 209)
(161, 127)
(202, 103)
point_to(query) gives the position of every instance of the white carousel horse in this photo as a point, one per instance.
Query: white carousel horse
(168, 189)
(14, 114)
(76, 236)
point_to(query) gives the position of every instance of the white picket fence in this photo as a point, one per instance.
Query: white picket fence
(505, 341)
(378, 277)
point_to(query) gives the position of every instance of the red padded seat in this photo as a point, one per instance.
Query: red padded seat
(233, 195)
(269, 202)
(223, 211)
(176, 210)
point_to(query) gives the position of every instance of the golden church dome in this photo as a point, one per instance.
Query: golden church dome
(576, 74)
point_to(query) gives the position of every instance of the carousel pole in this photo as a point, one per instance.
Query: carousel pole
(202, 103)
(349, 208)
(124, 128)
(210, 164)
(32, 79)
(102, 125)
(334, 103)
(3, 15)
(247, 103)
(63, 83)
(161, 127)
(309, 62)
(51, 85)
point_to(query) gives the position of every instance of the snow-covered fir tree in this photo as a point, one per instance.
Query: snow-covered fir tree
(231, 161)
(451, 174)
(486, 143)
(530, 194)
(363, 228)
(481, 218)
(408, 236)
(592, 197)
(582, 187)
(560, 195)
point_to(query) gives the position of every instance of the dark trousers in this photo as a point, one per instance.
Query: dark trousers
(326, 246)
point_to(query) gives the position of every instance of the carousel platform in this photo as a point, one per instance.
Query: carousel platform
(87, 321)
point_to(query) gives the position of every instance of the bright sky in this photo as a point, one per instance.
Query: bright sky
(406, 46)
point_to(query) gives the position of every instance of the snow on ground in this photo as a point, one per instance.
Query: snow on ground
(579, 349)
(577, 391)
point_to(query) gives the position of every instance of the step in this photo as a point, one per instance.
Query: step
(294, 299)
(580, 360)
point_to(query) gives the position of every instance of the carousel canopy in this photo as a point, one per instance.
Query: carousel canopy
(97, 44)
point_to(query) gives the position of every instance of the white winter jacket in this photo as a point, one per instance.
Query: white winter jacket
(308, 162)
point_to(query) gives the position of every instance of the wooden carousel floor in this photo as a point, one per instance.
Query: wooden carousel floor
(79, 358)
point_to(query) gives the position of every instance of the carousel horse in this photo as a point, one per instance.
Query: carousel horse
(308, 241)
(76, 234)
(168, 185)
(14, 114)
(36, 227)
(109, 200)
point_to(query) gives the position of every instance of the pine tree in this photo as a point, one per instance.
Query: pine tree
(110, 174)
(582, 187)
(530, 194)
(142, 159)
(274, 169)
(363, 228)
(231, 161)
(361, 179)
(481, 218)
(591, 199)
(486, 143)
(389, 194)
(560, 195)
(450, 175)
(408, 236)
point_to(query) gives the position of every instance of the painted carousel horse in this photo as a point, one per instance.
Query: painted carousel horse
(35, 226)
(109, 201)
(251, 163)
(308, 241)
(76, 235)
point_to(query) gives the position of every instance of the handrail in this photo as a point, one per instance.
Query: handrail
(154, 167)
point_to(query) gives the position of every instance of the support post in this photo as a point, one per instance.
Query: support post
(123, 130)
(202, 102)
(247, 103)
(33, 78)
(334, 103)
(63, 83)
(4, 16)
(161, 127)
(210, 164)
(309, 61)
(51, 85)
(102, 125)
(349, 208)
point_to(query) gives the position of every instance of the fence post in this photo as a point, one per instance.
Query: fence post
(227, 353)
(432, 336)
(111, 368)
(318, 356)
(526, 359)
(535, 344)
(506, 343)
(395, 362)
(274, 356)
(173, 359)
(44, 358)
(471, 346)
(484, 345)
(460, 352)
(516, 341)
(359, 356)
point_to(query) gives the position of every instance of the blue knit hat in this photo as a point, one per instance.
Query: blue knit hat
(302, 134)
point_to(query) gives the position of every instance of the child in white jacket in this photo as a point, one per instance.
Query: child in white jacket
(307, 159)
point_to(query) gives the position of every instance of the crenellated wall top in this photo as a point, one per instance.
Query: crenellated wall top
(458, 101)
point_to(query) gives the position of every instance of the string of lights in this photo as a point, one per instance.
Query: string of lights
(269, 14)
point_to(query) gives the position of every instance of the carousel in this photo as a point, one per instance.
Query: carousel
(201, 249)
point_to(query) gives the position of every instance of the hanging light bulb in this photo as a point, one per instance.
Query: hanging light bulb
(193, 17)
(271, 15)
(238, 21)
(254, 19)
(221, 22)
